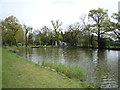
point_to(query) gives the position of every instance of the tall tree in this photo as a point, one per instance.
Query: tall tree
(56, 28)
(45, 35)
(116, 16)
(4, 31)
(26, 29)
(30, 38)
(12, 25)
(99, 17)
(37, 37)
(87, 32)
(73, 34)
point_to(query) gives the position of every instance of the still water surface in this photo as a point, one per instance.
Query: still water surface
(101, 66)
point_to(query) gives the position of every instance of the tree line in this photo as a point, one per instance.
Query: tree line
(95, 30)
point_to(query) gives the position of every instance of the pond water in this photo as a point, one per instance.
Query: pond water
(101, 66)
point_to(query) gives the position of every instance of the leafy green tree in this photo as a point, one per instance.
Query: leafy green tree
(10, 26)
(20, 36)
(4, 32)
(72, 36)
(87, 38)
(45, 35)
(100, 18)
(30, 38)
(116, 16)
(8, 38)
(37, 37)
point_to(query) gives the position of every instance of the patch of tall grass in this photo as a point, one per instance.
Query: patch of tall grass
(70, 71)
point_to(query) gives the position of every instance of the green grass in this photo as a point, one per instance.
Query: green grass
(0, 67)
(20, 73)
(114, 47)
(74, 72)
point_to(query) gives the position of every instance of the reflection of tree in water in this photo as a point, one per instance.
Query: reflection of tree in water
(26, 52)
(29, 54)
(103, 73)
(73, 56)
(52, 54)
(89, 64)
(119, 69)
(49, 54)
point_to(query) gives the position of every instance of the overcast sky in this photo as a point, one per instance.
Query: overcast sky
(37, 13)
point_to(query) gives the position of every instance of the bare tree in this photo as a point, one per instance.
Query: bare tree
(26, 29)
(56, 27)
(87, 29)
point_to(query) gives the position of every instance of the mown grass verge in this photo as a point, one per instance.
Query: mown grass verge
(21, 73)
(74, 72)
(0, 67)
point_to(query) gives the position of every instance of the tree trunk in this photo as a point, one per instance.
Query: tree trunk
(92, 40)
(15, 40)
(26, 40)
(99, 42)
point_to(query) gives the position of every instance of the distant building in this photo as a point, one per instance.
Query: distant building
(62, 43)
(19, 44)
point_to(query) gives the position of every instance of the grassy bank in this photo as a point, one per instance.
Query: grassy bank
(0, 67)
(20, 73)
(74, 72)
